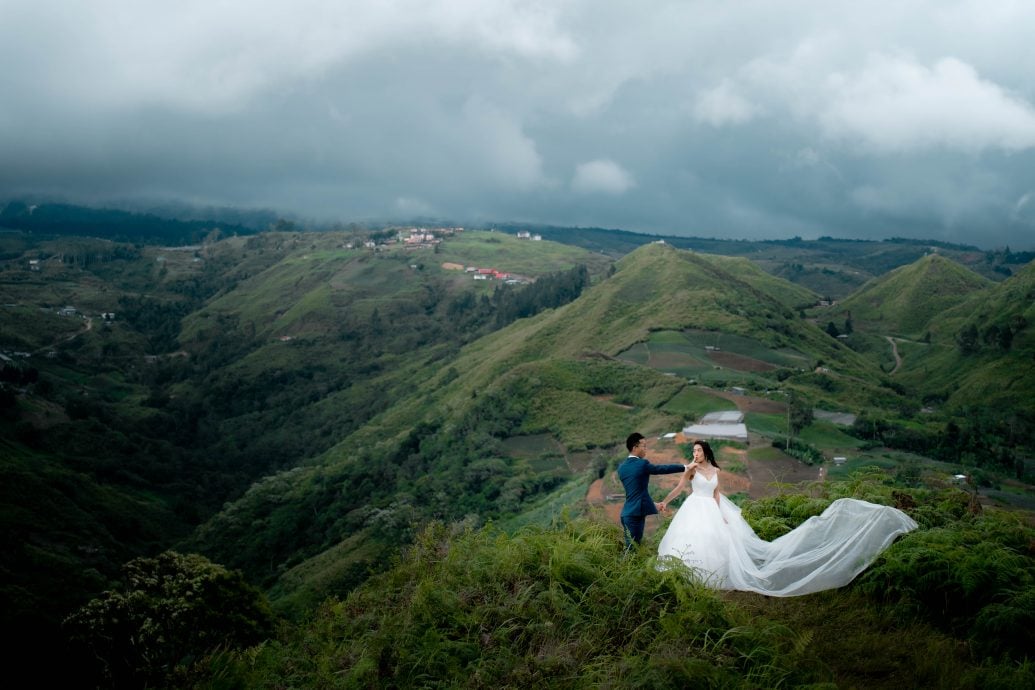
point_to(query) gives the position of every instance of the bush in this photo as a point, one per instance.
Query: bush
(808, 454)
(174, 609)
(973, 577)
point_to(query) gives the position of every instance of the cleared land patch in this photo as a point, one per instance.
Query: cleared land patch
(740, 362)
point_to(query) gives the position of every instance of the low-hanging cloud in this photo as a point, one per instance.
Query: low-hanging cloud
(751, 119)
(601, 175)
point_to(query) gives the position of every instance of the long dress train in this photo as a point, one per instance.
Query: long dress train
(824, 552)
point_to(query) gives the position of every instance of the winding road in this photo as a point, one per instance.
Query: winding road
(64, 339)
(894, 351)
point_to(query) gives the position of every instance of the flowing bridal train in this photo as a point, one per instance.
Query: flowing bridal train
(710, 536)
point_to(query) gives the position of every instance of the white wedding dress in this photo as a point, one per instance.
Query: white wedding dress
(824, 552)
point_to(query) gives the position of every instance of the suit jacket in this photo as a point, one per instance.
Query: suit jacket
(635, 473)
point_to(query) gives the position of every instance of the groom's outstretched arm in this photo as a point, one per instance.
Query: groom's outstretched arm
(665, 469)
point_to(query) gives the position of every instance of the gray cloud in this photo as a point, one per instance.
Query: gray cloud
(602, 175)
(751, 119)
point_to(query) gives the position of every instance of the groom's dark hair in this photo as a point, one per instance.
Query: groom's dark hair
(633, 439)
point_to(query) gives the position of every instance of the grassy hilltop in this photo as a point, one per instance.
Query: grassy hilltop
(906, 300)
(963, 343)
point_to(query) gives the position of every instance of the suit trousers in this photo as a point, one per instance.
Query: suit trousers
(632, 525)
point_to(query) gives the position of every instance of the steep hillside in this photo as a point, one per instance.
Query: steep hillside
(214, 366)
(981, 353)
(904, 301)
(443, 452)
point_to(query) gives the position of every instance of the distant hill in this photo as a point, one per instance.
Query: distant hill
(113, 224)
(828, 266)
(981, 352)
(905, 300)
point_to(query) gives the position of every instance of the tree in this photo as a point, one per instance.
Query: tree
(799, 413)
(832, 330)
(174, 608)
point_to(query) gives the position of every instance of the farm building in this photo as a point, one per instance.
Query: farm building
(728, 425)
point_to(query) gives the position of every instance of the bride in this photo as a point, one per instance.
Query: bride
(710, 536)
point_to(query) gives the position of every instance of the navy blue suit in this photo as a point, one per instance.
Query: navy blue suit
(635, 473)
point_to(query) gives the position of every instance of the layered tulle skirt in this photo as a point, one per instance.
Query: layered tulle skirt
(824, 552)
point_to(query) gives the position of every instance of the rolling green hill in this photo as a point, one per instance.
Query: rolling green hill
(440, 452)
(903, 302)
(561, 607)
(225, 362)
(829, 266)
(981, 353)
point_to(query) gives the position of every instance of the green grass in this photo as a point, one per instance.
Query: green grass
(505, 252)
(582, 420)
(692, 402)
(764, 453)
(748, 347)
(906, 300)
(543, 608)
(565, 501)
(638, 354)
(856, 462)
(551, 602)
(861, 647)
(826, 435)
(530, 446)
(766, 424)
(685, 353)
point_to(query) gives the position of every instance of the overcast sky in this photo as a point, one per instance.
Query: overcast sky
(741, 119)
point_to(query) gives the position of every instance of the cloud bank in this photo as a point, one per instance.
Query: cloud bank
(747, 120)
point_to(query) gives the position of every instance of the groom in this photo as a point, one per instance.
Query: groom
(635, 472)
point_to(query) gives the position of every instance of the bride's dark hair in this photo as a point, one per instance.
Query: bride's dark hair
(709, 454)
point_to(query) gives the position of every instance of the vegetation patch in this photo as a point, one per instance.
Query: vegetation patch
(766, 424)
(693, 402)
(825, 435)
(740, 362)
(531, 445)
(715, 343)
(542, 608)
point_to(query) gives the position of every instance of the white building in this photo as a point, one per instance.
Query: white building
(728, 425)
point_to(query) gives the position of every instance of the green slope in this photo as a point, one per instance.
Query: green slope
(562, 607)
(440, 452)
(995, 372)
(393, 420)
(135, 430)
(904, 301)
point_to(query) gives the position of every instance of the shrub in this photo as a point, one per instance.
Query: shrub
(174, 609)
(974, 577)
